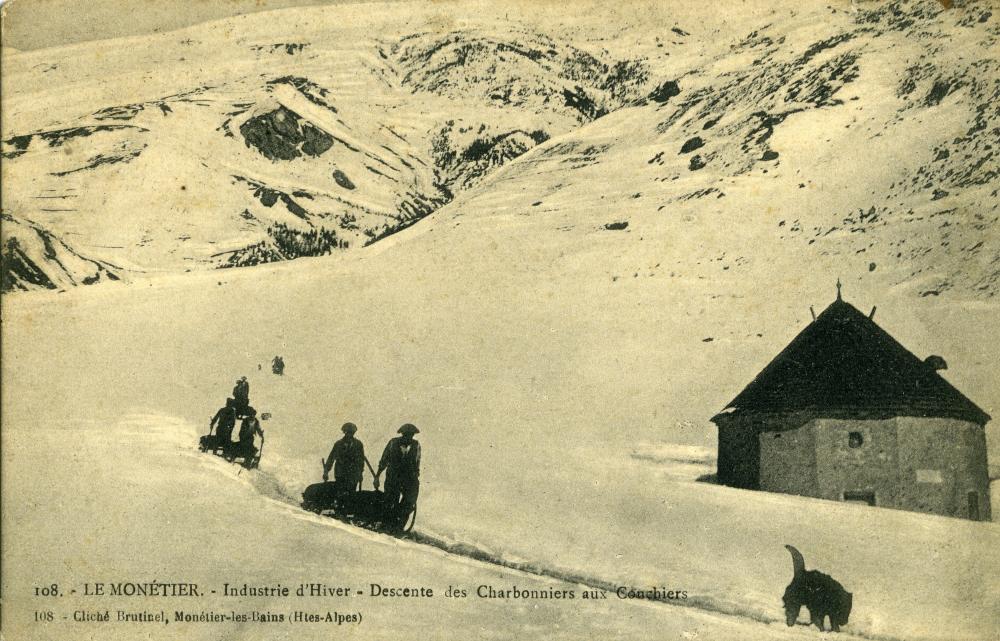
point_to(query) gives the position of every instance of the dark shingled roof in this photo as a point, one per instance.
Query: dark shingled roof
(845, 365)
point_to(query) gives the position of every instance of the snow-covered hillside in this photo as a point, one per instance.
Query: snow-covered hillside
(561, 330)
(217, 150)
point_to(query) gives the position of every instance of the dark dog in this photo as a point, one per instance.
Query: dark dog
(821, 595)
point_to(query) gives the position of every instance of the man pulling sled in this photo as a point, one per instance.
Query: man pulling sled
(343, 498)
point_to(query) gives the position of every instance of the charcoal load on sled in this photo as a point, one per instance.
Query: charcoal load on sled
(248, 457)
(365, 508)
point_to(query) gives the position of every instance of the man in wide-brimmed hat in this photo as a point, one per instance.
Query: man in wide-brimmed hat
(347, 459)
(401, 462)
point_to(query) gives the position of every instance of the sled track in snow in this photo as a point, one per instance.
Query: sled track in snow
(271, 488)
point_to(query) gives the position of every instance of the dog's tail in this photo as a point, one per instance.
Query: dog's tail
(798, 563)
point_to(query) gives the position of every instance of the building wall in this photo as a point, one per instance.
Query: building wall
(737, 463)
(921, 464)
(788, 461)
(940, 462)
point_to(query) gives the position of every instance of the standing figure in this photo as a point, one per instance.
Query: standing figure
(241, 396)
(244, 446)
(224, 422)
(401, 461)
(347, 460)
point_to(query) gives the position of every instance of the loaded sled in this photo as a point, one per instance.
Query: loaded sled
(364, 508)
(231, 451)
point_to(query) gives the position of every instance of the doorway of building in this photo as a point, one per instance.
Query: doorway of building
(859, 496)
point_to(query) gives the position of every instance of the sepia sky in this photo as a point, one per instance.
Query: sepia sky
(36, 24)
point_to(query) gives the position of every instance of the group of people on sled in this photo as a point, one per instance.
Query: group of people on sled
(237, 408)
(400, 461)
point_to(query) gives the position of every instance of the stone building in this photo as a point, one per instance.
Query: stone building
(847, 413)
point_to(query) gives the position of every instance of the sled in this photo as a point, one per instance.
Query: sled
(230, 451)
(364, 508)
(251, 459)
(209, 443)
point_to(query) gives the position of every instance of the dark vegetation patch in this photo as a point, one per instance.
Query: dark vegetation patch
(57, 137)
(938, 92)
(764, 128)
(269, 197)
(969, 159)
(121, 112)
(819, 86)
(287, 243)
(465, 153)
(291, 48)
(617, 225)
(696, 163)
(691, 144)
(376, 171)
(19, 271)
(530, 70)
(342, 179)
(702, 193)
(665, 91)
(899, 15)
(282, 134)
(578, 99)
(817, 47)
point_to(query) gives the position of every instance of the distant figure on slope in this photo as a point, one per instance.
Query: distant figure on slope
(223, 422)
(241, 396)
(278, 365)
(244, 446)
(347, 460)
(401, 462)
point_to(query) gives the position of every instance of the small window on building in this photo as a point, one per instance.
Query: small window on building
(854, 439)
(860, 496)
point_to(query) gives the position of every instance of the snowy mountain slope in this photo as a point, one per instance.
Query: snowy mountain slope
(735, 148)
(400, 123)
(581, 305)
(234, 143)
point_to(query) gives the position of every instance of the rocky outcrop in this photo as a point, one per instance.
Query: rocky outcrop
(282, 134)
(33, 258)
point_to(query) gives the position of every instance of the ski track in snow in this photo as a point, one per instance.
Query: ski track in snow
(182, 435)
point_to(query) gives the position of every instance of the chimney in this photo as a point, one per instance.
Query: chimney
(935, 362)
